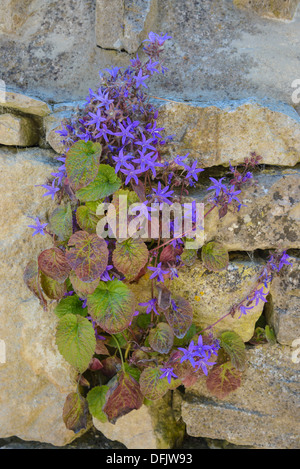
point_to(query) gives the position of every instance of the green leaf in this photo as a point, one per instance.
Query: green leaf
(161, 338)
(53, 263)
(189, 256)
(124, 398)
(87, 219)
(143, 320)
(75, 412)
(130, 256)
(82, 163)
(70, 305)
(187, 338)
(31, 280)
(133, 371)
(52, 288)
(82, 288)
(112, 306)
(234, 346)
(152, 385)
(88, 256)
(214, 256)
(96, 398)
(105, 184)
(180, 318)
(270, 335)
(223, 379)
(61, 222)
(75, 339)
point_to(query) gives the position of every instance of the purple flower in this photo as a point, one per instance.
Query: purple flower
(162, 194)
(188, 354)
(150, 306)
(151, 67)
(160, 39)
(103, 133)
(38, 227)
(121, 160)
(168, 373)
(244, 309)
(284, 261)
(139, 79)
(217, 186)
(192, 171)
(105, 276)
(145, 144)
(113, 71)
(51, 189)
(125, 132)
(96, 119)
(259, 295)
(158, 272)
(103, 98)
(131, 173)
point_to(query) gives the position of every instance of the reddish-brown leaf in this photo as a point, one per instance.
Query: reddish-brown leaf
(54, 264)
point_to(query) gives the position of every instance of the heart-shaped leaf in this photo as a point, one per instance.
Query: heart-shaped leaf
(61, 222)
(152, 385)
(124, 398)
(70, 305)
(180, 316)
(75, 339)
(223, 379)
(75, 412)
(87, 219)
(214, 256)
(88, 256)
(82, 163)
(82, 288)
(52, 288)
(54, 264)
(96, 400)
(234, 346)
(105, 183)
(112, 305)
(130, 256)
(161, 338)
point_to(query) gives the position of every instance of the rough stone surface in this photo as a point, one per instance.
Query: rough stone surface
(262, 413)
(217, 133)
(26, 104)
(283, 310)
(200, 287)
(151, 427)
(35, 379)
(53, 123)
(271, 218)
(217, 51)
(278, 9)
(124, 24)
(17, 130)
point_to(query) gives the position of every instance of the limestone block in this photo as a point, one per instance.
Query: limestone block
(17, 130)
(276, 9)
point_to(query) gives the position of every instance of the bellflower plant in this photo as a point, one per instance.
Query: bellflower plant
(125, 346)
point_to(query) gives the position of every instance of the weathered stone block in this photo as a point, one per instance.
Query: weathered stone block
(283, 310)
(213, 294)
(270, 220)
(124, 24)
(34, 379)
(277, 9)
(263, 412)
(216, 134)
(17, 130)
(26, 104)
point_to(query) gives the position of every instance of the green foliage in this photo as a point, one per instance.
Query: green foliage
(153, 386)
(88, 255)
(96, 399)
(75, 339)
(181, 317)
(61, 222)
(53, 263)
(87, 219)
(70, 305)
(234, 346)
(105, 183)
(130, 256)
(52, 288)
(214, 256)
(161, 338)
(112, 305)
(82, 163)
(223, 379)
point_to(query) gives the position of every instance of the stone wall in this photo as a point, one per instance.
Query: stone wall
(230, 90)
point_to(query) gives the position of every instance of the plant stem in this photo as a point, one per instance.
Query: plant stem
(120, 352)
